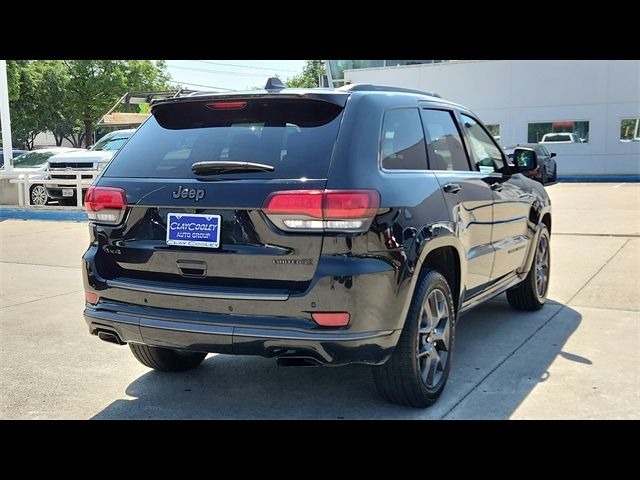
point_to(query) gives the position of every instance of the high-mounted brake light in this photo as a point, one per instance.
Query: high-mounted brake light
(105, 204)
(227, 105)
(317, 210)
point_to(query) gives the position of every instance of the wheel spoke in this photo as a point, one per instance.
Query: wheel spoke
(442, 335)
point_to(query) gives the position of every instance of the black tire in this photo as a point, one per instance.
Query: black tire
(166, 359)
(400, 379)
(527, 295)
(543, 176)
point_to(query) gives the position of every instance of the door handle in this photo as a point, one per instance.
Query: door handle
(452, 188)
(496, 187)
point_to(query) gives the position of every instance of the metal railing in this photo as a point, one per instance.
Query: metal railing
(25, 181)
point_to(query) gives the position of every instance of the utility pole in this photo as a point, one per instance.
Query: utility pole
(5, 121)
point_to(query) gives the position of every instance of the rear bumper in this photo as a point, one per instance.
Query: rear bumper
(259, 321)
(240, 335)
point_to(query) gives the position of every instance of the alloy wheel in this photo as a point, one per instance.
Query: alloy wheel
(434, 334)
(542, 266)
(38, 195)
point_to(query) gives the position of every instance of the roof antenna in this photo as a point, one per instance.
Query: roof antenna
(274, 83)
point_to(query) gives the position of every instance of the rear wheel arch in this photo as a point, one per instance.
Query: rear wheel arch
(446, 260)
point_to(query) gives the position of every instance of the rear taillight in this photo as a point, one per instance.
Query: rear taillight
(318, 210)
(105, 204)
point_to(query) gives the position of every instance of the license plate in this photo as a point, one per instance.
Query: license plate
(67, 192)
(193, 230)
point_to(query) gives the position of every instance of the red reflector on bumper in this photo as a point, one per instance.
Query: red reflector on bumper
(333, 319)
(91, 297)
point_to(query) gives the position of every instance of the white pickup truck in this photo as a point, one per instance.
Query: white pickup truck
(66, 165)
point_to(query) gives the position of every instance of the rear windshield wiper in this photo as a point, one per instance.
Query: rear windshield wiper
(202, 168)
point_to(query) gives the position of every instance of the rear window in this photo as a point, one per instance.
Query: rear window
(295, 136)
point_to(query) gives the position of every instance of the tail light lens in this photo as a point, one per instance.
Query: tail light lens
(331, 319)
(105, 204)
(323, 210)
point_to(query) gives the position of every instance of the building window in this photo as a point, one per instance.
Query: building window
(630, 130)
(402, 143)
(494, 130)
(561, 131)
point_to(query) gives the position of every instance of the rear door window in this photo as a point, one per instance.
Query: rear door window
(295, 136)
(402, 144)
(444, 144)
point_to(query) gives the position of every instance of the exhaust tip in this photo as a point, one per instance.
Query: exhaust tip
(297, 362)
(110, 337)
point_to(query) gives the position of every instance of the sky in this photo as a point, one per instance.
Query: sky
(230, 74)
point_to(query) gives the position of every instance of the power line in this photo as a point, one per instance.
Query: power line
(248, 66)
(199, 85)
(223, 72)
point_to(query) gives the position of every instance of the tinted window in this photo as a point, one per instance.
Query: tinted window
(295, 136)
(403, 145)
(444, 145)
(486, 154)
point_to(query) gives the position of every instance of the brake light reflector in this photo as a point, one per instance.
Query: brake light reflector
(91, 297)
(318, 210)
(227, 105)
(331, 319)
(105, 204)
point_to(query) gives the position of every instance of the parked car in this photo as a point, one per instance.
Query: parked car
(319, 227)
(34, 163)
(546, 169)
(16, 153)
(66, 165)
(561, 138)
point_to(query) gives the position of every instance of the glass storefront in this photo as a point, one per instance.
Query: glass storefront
(336, 68)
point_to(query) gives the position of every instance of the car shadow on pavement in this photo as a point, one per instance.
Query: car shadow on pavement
(500, 353)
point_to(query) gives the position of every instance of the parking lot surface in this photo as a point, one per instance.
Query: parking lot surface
(577, 358)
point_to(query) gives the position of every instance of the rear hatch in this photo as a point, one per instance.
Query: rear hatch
(293, 137)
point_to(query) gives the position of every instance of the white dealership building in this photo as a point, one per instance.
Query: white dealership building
(521, 100)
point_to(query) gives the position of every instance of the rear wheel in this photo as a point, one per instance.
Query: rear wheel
(166, 359)
(531, 293)
(417, 371)
(38, 195)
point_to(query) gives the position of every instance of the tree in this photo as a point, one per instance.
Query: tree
(68, 97)
(95, 85)
(24, 81)
(311, 71)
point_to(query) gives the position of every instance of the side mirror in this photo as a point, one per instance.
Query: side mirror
(524, 159)
(553, 154)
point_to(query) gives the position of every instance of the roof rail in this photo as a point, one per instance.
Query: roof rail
(368, 87)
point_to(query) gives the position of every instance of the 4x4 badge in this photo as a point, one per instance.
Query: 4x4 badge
(193, 193)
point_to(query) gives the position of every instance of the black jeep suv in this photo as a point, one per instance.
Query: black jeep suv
(316, 226)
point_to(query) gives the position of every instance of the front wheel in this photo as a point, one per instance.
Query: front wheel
(531, 293)
(38, 195)
(417, 371)
(166, 359)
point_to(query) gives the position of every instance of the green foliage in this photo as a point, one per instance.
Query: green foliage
(309, 76)
(68, 97)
